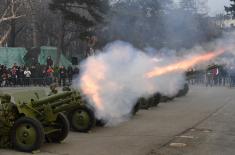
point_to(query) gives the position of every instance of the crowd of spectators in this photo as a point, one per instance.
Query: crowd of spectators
(36, 74)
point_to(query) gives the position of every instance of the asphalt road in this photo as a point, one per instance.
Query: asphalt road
(202, 123)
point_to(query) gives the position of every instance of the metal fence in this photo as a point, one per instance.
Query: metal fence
(21, 82)
(228, 81)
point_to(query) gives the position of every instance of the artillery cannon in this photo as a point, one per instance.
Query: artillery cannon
(24, 125)
(183, 92)
(133, 111)
(166, 98)
(153, 101)
(83, 118)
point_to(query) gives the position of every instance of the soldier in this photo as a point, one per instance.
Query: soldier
(66, 88)
(53, 89)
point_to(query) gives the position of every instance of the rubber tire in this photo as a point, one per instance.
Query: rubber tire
(150, 101)
(101, 123)
(186, 89)
(135, 109)
(157, 98)
(143, 103)
(91, 123)
(39, 131)
(58, 136)
(171, 98)
(164, 99)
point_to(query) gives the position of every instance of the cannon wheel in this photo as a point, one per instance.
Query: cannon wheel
(156, 99)
(82, 119)
(101, 123)
(62, 123)
(186, 89)
(144, 104)
(150, 101)
(164, 99)
(27, 134)
(135, 109)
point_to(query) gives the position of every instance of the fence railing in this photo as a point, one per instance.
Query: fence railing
(228, 81)
(14, 82)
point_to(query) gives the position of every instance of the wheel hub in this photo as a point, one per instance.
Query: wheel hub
(81, 119)
(25, 134)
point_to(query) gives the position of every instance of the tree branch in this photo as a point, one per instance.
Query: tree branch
(11, 10)
(4, 38)
(10, 18)
(77, 6)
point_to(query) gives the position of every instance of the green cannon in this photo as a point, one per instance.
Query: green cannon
(83, 118)
(26, 124)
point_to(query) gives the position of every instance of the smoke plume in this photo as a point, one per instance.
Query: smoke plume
(120, 74)
(115, 79)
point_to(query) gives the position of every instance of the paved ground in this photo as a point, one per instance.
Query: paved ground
(201, 123)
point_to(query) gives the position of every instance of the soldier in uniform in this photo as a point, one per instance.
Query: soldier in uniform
(53, 89)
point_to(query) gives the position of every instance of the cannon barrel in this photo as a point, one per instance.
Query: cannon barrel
(51, 99)
(66, 107)
(61, 102)
(56, 104)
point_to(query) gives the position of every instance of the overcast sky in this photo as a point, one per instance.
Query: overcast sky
(214, 6)
(217, 6)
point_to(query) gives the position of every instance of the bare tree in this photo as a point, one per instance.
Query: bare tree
(10, 10)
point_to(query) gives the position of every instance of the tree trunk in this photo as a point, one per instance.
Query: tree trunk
(60, 46)
(34, 24)
(12, 40)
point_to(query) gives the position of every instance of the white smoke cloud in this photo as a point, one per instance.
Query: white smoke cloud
(119, 72)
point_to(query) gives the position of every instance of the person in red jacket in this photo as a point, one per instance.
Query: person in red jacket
(50, 72)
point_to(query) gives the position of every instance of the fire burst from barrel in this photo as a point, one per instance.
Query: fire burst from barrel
(92, 80)
(185, 64)
(90, 84)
